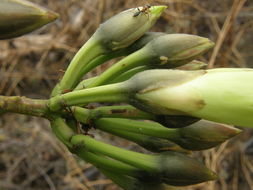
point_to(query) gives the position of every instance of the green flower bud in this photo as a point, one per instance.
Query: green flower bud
(177, 49)
(150, 143)
(142, 85)
(220, 95)
(170, 50)
(18, 17)
(112, 35)
(205, 134)
(198, 136)
(170, 168)
(146, 38)
(115, 35)
(188, 170)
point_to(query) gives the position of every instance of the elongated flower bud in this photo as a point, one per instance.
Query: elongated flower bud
(221, 95)
(178, 49)
(150, 143)
(146, 38)
(198, 136)
(112, 35)
(18, 17)
(170, 50)
(170, 168)
(115, 35)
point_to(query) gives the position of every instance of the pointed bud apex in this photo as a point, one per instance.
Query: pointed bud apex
(180, 170)
(19, 17)
(115, 35)
(205, 134)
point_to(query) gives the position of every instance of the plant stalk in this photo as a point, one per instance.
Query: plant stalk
(23, 105)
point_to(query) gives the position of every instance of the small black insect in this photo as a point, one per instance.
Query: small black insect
(145, 9)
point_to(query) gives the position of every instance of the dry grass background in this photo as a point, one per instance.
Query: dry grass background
(31, 158)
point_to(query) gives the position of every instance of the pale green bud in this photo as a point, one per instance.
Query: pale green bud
(144, 89)
(18, 17)
(123, 29)
(221, 95)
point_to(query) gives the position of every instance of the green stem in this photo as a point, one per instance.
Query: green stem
(128, 74)
(84, 83)
(102, 59)
(139, 160)
(121, 111)
(125, 76)
(77, 68)
(142, 127)
(136, 59)
(105, 163)
(108, 93)
(62, 131)
(23, 105)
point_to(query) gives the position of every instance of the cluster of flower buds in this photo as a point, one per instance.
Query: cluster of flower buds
(172, 105)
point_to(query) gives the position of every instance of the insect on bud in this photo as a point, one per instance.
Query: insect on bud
(115, 35)
(19, 17)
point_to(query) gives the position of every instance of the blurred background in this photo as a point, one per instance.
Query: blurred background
(31, 158)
